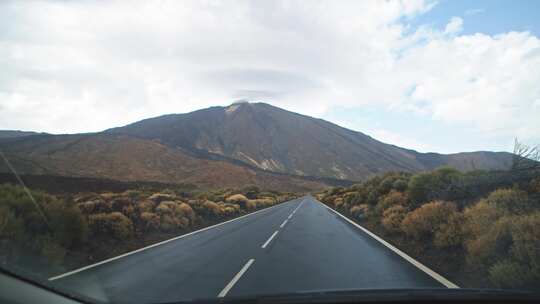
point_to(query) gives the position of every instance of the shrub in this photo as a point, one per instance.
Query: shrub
(52, 250)
(113, 224)
(534, 185)
(166, 207)
(441, 184)
(250, 205)
(186, 211)
(119, 203)
(251, 191)
(509, 274)
(150, 221)
(393, 198)
(525, 232)
(96, 205)
(338, 202)
(359, 211)
(400, 185)
(146, 206)
(237, 199)
(432, 221)
(392, 218)
(510, 200)
(211, 208)
(25, 224)
(490, 244)
(159, 197)
(450, 233)
(480, 217)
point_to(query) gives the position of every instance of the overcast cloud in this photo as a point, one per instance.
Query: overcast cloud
(85, 66)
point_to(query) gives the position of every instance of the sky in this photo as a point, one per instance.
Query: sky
(434, 76)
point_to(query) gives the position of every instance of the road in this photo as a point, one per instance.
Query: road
(299, 245)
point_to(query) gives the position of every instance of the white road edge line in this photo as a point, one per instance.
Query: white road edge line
(402, 254)
(270, 239)
(283, 224)
(235, 279)
(157, 244)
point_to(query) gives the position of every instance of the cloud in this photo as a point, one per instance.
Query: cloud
(454, 26)
(87, 66)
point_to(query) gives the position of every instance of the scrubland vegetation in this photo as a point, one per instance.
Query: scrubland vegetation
(480, 229)
(73, 230)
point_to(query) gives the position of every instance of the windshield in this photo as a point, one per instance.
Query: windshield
(165, 151)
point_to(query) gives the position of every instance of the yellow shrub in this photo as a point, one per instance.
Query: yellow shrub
(165, 207)
(167, 223)
(359, 211)
(492, 243)
(228, 211)
(392, 218)
(145, 206)
(450, 233)
(129, 211)
(480, 217)
(113, 224)
(434, 220)
(484, 227)
(186, 211)
(251, 205)
(95, 206)
(212, 208)
(394, 198)
(150, 220)
(338, 202)
(237, 199)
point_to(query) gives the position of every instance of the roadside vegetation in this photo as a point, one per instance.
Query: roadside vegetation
(479, 228)
(69, 231)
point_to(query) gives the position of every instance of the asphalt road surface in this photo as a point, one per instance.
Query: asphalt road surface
(297, 246)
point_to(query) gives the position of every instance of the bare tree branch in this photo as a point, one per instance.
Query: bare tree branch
(525, 158)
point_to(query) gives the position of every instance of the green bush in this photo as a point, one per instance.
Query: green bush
(49, 227)
(513, 201)
(441, 184)
(509, 275)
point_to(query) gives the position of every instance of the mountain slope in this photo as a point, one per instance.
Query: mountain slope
(277, 140)
(15, 133)
(126, 158)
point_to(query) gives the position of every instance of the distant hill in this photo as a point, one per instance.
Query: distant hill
(15, 133)
(277, 140)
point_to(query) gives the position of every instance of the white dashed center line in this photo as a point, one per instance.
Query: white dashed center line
(235, 279)
(283, 224)
(269, 240)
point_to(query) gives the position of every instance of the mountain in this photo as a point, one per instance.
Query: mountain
(277, 140)
(242, 144)
(126, 158)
